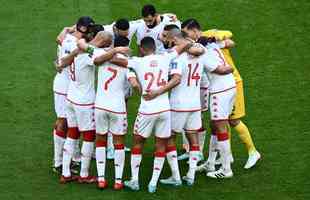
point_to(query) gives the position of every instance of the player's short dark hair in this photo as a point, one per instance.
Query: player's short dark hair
(170, 27)
(206, 40)
(148, 43)
(96, 28)
(191, 24)
(121, 41)
(148, 10)
(84, 21)
(122, 24)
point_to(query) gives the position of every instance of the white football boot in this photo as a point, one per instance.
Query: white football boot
(206, 167)
(252, 160)
(221, 173)
(151, 188)
(188, 181)
(171, 181)
(132, 184)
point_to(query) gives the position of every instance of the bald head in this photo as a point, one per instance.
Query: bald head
(103, 39)
(175, 33)
(104, 35)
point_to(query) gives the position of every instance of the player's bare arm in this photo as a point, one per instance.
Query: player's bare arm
(223, 69)
(135, 84)
(67, 60)
(107, 56)
(110, 54)
(229, 43)
(122, 62)
(61, 36)
(196, 50)
(173, 82)
(182, 44)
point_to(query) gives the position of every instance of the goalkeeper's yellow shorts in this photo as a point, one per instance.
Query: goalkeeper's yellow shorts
(239, 106)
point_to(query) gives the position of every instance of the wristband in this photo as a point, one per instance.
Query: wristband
(90, 50)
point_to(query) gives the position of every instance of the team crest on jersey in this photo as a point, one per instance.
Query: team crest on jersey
(67, 52)
(153, 63)
(173, 65)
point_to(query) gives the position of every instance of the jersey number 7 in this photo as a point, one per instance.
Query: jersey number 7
(114, 73)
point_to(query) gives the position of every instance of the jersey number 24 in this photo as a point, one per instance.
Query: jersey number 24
(150, 77)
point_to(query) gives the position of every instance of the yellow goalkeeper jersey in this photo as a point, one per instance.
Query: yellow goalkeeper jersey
(221, 35)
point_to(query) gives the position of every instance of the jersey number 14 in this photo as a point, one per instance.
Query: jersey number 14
(192, 74)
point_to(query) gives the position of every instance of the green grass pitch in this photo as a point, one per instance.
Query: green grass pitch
(272, 55)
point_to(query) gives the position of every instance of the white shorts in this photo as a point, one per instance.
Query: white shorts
(159, 124)
(107, 121)
(204, 99)
(221, 104)
(185, 121)
(60, 103)
(81, 116)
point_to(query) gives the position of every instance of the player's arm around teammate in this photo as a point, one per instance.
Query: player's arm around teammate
(60, 87)
(235, 119)
(111, 115)
(222, 97)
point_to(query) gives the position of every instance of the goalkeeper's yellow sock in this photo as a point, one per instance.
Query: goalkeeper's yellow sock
(245, 136)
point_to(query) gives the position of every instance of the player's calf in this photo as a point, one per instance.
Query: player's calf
(171, 155)
(101, 144)
(86, 153)
(193, 157)
(119, 160)
(223, 144)
(59, 136)
(159, 159)
(68, 150)
(136, 157)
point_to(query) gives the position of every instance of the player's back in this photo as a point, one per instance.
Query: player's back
(152, 72)
(111, 87)
(218, 82)
(186, 95)
(62, 80)
(82, 74)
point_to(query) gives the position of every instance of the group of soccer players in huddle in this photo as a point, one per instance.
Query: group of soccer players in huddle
(181, 72)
